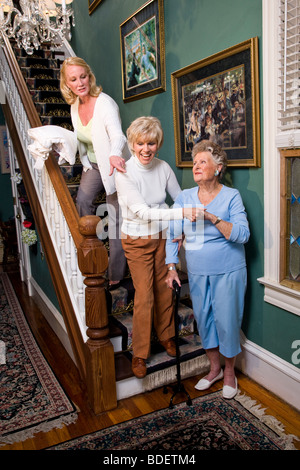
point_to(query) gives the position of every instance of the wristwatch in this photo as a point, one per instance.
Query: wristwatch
(218, 220)
(171, 268)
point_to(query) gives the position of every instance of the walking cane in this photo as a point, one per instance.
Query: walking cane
(178, 387)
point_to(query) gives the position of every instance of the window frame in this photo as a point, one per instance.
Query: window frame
(275, 292)
(285, 156)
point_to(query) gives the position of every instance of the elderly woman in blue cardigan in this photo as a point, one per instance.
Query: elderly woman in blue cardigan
(102, 148)
(216, 262)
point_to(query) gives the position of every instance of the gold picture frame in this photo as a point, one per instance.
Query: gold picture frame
(142, 39)
(93, 5)
(217, 99)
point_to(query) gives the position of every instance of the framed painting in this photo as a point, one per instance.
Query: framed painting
(143, 52)
(217, 99)
(93, 4)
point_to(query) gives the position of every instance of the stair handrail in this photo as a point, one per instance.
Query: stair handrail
(63, 238)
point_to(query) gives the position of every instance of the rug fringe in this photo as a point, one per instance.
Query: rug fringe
(256, 409)
(194, 366)
(21, 436)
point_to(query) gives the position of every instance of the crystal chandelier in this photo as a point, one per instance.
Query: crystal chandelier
(33, 22)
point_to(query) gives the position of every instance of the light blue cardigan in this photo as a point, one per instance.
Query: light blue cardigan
(206, 249)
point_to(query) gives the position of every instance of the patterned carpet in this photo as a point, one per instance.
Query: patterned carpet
(31, 399)
(211, 423)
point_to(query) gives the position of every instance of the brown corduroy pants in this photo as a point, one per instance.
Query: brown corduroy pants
(153, 300)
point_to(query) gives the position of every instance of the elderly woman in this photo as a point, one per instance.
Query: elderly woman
(142, 192)
(216, 262)
(102, 147)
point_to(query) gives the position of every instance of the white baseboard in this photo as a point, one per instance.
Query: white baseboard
(270, 371)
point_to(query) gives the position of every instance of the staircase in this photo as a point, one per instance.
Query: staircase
(41, 75)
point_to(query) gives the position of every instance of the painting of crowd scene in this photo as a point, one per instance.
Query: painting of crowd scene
(214, 109)
(141, 54)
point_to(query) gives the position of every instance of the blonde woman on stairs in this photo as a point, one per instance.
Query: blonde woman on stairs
(102, 148)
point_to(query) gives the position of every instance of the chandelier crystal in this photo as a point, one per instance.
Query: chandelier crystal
(33, 22)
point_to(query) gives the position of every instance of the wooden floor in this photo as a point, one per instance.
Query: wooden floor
(128, 408)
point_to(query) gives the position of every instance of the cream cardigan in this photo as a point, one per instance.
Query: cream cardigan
(107, 138)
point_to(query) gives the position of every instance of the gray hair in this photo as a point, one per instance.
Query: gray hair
(218, 155)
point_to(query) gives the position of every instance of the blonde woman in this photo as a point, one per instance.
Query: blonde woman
(102, 148)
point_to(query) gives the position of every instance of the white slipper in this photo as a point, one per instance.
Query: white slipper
(204, 384)
(230, 392)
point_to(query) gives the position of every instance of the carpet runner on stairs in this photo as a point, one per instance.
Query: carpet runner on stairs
(41, 73)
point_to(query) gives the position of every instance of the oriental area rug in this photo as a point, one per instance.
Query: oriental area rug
(31, 399)
(210, 423)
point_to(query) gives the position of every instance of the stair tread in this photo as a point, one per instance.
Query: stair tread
(122, 367)
(123, 362)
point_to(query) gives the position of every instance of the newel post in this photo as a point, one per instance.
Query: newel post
(99, 353)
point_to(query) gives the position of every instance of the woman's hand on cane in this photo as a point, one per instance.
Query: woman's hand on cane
(172, 276)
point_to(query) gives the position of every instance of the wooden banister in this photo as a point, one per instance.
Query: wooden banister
(95, 358)
(100, 365)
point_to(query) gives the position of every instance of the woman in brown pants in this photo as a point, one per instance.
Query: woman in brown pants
(141, 193)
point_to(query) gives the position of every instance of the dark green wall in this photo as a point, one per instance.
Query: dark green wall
(6, 204)
(194, 30)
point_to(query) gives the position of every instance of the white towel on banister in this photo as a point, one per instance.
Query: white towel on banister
(47, 138)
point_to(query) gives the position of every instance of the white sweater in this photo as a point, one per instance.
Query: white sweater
(107, 138)
(142, 192)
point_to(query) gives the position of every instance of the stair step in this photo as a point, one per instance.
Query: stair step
(41, 96)
(128, 385)
(50, 84)
(39, 53)
(123, 367)
(46, 108)
(44, 74)
(71, 173)
(56, 121)
(41, 62)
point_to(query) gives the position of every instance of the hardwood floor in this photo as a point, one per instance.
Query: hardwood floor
(129, 408)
